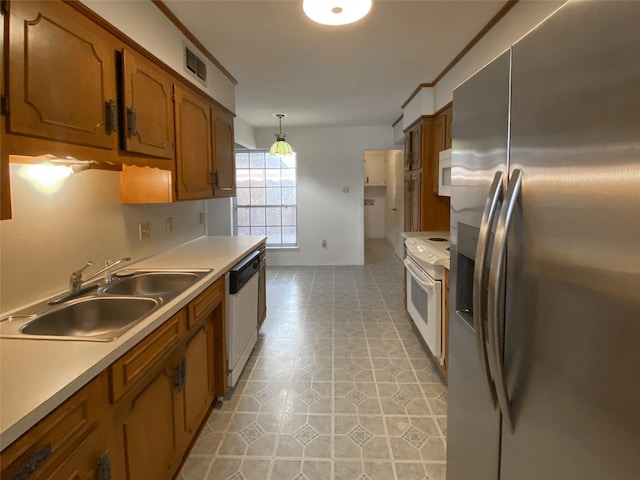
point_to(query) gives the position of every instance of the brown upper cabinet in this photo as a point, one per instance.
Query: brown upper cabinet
(413, 147)
(77, 87)
(61, 76)
(224, 183)
(147, 107)
(424, 209)
(194, 156)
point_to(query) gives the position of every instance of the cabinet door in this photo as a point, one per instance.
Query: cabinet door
(407, 151)
(407, 203)
(199, 381)
(375, 168)
(262, 292)
(194, 158)
(5, 193)
(416, 147)
(439, 140)
(148, 107)
(62, 76)
(448, 127)
(89, 461)
(146, 431)
(224, 159)
(416, 202)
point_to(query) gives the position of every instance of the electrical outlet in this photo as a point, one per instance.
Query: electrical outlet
(324, 244)
(144, 231)
(201, 218)
(168, 224)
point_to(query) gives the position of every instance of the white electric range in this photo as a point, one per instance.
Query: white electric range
(426, 260)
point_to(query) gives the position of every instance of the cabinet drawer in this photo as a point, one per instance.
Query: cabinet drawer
(206, 301)
(134, 364)
(57, 435)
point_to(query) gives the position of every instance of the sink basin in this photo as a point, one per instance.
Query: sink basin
(95, 318)
(152, 283)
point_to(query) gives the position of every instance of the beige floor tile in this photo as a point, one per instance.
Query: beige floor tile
(284, 469)
(353, 470)
(338, 387)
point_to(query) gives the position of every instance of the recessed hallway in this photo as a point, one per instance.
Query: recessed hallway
(338, 386)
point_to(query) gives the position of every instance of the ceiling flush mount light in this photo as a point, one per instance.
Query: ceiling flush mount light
(336, 12)
(280, 147)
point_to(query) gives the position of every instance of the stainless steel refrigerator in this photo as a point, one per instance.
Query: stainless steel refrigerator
(544, 372)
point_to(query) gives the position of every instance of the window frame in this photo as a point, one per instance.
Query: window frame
(236, 206)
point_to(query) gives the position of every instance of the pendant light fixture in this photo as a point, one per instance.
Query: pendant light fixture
(336, 12)
(280, 147)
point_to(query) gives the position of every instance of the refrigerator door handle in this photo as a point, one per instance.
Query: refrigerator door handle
(491, 207)
(495, 305)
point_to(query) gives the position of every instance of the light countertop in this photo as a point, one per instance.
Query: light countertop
(434, 233)
(36, 376)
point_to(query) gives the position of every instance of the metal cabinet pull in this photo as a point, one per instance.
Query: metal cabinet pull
(181, 374)
(491, 207)
(132, 122)
(496, 303)
(111, 109)
(104, 467)
(33, 464)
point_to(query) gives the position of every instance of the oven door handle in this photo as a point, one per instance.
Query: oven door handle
(420, 277)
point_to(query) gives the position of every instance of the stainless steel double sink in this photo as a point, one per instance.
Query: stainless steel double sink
(103, 314)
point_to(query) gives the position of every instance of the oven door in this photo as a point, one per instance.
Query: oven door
(424, 304)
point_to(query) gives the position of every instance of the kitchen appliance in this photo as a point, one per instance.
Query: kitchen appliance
(444, 173)
(425, 262)
(544, 353)
(242, 314)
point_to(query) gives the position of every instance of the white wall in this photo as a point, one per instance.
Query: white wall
(52, 234)
(374, 215)
(513, 26)
(244, 134)
(398, 133)
(148, 26)
(219, 214)
(421, 104)
(394, 202)
(329, 159)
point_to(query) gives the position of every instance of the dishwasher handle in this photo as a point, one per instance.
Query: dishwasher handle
(240, 273)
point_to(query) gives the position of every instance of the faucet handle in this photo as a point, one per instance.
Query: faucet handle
(112, 263)
(75, 281)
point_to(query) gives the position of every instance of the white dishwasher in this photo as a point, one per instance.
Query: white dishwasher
(242, 314)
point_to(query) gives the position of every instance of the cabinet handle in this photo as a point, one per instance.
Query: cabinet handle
(104, 467)
(213, 178)
(177, 381)
(132, 122)
(181, 374)
(183, 367)
(33, 464)
(111, 109)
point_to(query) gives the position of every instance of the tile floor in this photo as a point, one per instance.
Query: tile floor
(337, 388)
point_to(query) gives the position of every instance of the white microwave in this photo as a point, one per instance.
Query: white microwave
(444, 173)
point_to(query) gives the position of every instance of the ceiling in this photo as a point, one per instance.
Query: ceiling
(351, 75)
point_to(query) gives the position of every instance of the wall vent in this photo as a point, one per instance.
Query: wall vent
(195, 64)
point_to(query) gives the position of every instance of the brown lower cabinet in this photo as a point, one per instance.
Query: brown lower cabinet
(139, 417)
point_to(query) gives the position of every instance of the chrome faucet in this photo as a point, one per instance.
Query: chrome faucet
(108, 265)
(77, 283)
(75, 280)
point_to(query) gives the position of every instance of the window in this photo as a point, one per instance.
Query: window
(266, 196)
